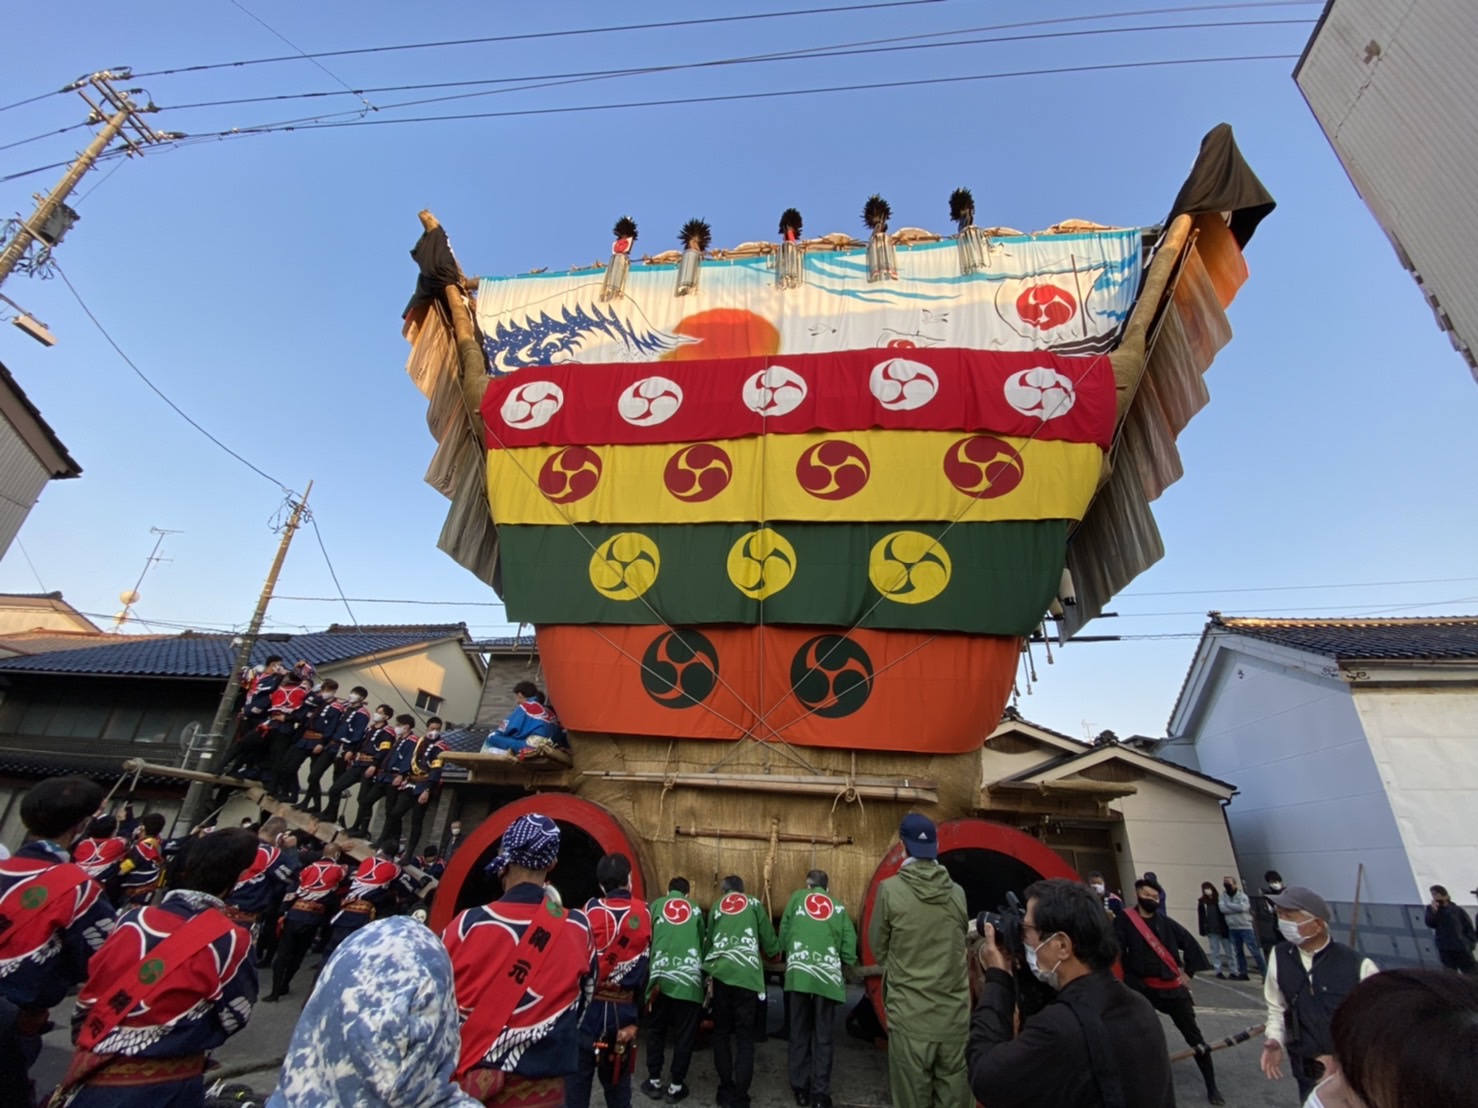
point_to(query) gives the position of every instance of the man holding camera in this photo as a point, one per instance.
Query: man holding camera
(1096, 1044)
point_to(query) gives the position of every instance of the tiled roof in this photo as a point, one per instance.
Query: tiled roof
(1427, 638)
(212, 656)
(45, 642)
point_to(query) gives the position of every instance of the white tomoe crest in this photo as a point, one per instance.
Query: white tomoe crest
(901, 385)
(775, 391)
(650, 401)
(532, 405)
(1042, 392)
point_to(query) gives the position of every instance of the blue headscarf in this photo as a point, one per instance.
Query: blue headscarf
(531, 841)
(381, 1028)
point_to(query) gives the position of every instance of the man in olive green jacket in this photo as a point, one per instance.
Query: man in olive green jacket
(917, 936)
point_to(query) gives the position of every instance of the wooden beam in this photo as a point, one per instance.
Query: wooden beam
(913, 789)
(764, 836)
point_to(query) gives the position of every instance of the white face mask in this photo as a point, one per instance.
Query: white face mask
(379, 717)
(1046, 977)
(354, 698)
(403, 730)
(433, 731)
(1290, 931)
(1276, 886)
(1097, 887)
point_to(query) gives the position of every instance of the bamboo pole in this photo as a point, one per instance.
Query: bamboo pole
(760, 836)
(1355, 916)
(905, 789)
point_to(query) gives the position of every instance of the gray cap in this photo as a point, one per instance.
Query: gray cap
(1298, 898)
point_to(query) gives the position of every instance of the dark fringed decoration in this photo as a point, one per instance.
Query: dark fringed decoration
(971, 242)
(695, 237)
(614, 286)
(882, 264)
(790, 264)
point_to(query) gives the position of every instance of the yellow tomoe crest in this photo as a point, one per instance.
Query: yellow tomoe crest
(909, 567)
(761, 563)
(625, 566)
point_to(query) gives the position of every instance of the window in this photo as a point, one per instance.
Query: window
(428, 703)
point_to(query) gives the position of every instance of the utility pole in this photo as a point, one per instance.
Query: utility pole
(194, 807)
(120, 117)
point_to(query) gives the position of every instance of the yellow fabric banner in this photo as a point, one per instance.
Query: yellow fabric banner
(823, 477)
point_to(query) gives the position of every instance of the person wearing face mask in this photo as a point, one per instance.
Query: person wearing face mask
(1159, 957)
(379, 778)
(1432, 1061)
(357, 761)
(1096, 1038)
(1212, 925)
(329, 751)
(415, 767)
(1112, 902)
(1310, 974)
(1265, 916)
(1238, 912)
(1453, 931)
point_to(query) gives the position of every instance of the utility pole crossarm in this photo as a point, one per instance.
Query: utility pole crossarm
(115, 111)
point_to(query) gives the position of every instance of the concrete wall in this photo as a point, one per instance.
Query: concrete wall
(1424, 742)
(1181, 836)
(22, 615)
(442, 670)
(22, 478)
(1311, 802)
(1393, 87)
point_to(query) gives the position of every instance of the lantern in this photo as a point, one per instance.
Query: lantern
(790, 255)
(882, 264)
(971, 242)
(695, 237)
(620, 264)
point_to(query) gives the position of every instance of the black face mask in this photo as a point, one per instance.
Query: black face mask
(1229, 887)
(1149, 905)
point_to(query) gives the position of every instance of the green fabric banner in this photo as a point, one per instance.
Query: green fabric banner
(986, 578)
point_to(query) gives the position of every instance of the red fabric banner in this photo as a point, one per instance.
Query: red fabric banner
(1028, 393)
(807, 686)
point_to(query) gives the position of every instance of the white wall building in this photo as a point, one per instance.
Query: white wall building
(1393, 85)
(1352, 743)
(30, 456)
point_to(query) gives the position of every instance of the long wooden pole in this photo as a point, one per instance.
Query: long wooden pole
(1355, 916)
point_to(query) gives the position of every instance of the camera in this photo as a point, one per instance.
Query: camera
(1007, 920)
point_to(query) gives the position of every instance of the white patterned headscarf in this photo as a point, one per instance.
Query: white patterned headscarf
(381, 1028)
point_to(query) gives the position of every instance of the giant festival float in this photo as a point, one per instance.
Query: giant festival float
(787, 519)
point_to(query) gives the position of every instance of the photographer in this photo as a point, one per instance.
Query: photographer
(1096, 1044)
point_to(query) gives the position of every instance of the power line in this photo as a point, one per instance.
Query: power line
(381, 600)
(45, 135)
(34, 99)
(272, 30)
(533, 35)
(1103, 68)
(895, 44)
(1300, 588)
(156, 389)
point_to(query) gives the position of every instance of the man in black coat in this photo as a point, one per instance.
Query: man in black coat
(1453, 932)
(1094, 1035)
(1159, 958)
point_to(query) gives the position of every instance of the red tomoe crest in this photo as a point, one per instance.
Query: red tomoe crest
(818, 906)
(699, 472)
(677, 911)
(733, 904)
(833, 470)
(604, 925)
(983, 466)
(1046, 306)
(570, 474)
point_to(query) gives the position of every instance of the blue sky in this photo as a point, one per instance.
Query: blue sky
(259, 282)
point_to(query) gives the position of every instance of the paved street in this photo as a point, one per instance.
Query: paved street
(860, 1073)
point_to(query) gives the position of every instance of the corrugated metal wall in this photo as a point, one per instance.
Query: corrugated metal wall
(1393, 84)
(22, 478)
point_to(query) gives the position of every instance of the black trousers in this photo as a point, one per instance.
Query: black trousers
(348, 774)
(733, 1043)
(812, 1027)
(297, 940)
(370, 794)
(1460, 960)
(280, 750)
(1182, 1013)
(322, 761)
(249, 750)
(677, 1019)
(404, 802)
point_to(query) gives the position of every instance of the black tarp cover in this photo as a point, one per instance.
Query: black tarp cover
(433, 255)
(1222, 181)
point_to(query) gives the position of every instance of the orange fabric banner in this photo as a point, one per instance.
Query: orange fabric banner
(808, 686)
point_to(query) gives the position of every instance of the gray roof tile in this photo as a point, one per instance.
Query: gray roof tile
(1426, 638)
